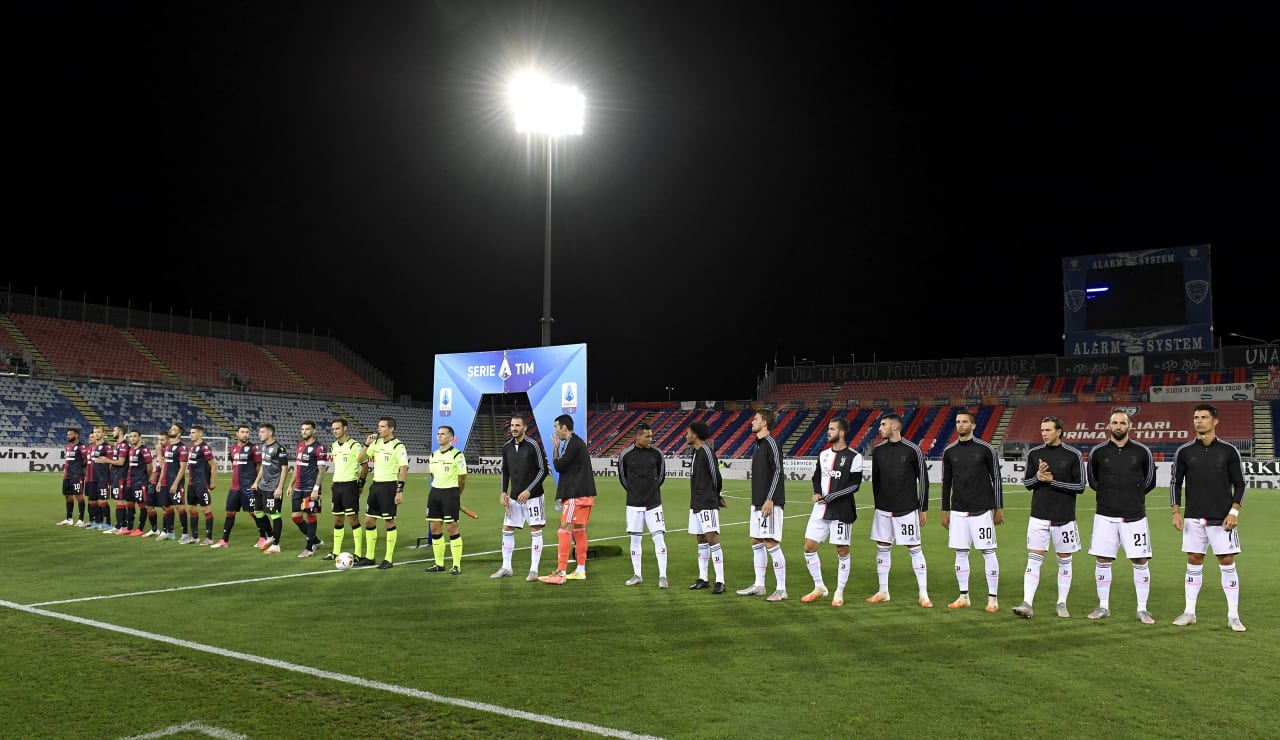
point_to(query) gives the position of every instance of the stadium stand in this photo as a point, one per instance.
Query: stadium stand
(925, 389)
(413, 424)
(607, 427)
(149, 410)
(791, 392)
(219, 363)
(36, 413)
(76, 348)
(324, 373)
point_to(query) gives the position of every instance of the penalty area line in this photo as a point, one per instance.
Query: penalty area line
(340, 677)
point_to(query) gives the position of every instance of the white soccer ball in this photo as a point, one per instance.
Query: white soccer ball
(344, 561)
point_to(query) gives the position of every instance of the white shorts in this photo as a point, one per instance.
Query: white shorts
(533, 512)
(1110, 531)
(820, 530)
(766, 527)
(706, 521)
(639, 517)
(1197, 536)
(900, 530)
(1065, 537)
(978, 530)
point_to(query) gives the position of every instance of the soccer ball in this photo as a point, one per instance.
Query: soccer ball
(343, 561)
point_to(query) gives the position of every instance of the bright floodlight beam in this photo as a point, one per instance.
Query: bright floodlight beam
(551, 110)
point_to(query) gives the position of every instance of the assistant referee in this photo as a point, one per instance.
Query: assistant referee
(444, 501)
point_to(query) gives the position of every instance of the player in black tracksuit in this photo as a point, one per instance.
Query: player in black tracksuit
(1214, 478)
(705, 501)
(1055, 476)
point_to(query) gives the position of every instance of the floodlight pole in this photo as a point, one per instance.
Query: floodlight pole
(546, 253)
(1255, 339)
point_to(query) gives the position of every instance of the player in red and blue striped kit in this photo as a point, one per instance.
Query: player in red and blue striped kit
(74, 457)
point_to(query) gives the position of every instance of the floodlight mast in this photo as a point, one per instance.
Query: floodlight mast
(552, 110)
(1255, 339)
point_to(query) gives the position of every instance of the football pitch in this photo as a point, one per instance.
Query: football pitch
(120, 637)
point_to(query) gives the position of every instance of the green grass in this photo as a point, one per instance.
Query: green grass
(370, 652)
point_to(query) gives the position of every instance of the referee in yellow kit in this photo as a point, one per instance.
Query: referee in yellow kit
(444, 501)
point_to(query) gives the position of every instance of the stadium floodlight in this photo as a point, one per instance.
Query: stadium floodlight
(542, 107)
(1255, 339)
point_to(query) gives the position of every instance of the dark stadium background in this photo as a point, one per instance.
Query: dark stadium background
(756, 185)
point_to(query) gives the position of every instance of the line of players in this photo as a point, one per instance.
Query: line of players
(124, 488)
(1120, 470)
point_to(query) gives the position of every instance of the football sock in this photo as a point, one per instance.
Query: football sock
(760, 560)
(779, 567)
(884, 558)
(636, 545)
(1031, 577)
(717, 560)
(1231, 587)
(580, 551)
(1142, 584)
(339, 534)
(1064, 579)
(81, 505)
(660, 550)
(509, 547)
(535, 549)
(704, 555)
(921, 570)
(814, 564)
(563, 545)
(1102, 574)
(842, 571)
(182, 519)
(992, 564)
(71, 508)
(392, 536)
(962, 570)
(1195, 579)
(437, 549)
(455, 548)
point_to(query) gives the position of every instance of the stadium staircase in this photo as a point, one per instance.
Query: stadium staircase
(165, 371)
(1264, 421)
(41, 362)
(275, 360)
(1006, 415)
(483, 439)
(812, 439)
(213, 414)
(351, 420)
(82, 405)
(626, 437)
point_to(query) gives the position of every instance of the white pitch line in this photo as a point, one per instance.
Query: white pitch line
(341, 677)
(214, 732)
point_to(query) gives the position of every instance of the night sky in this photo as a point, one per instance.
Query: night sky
(755, 181)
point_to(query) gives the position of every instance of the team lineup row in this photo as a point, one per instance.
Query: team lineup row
(1121, 471)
